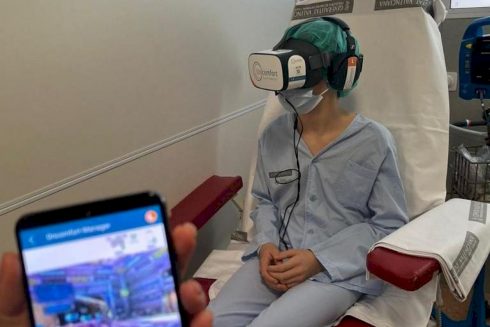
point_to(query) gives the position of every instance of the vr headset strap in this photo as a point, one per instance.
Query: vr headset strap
(319, 61)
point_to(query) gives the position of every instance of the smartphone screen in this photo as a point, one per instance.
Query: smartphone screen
(108, 268)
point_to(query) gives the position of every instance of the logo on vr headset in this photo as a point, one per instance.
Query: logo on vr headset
(259, 73)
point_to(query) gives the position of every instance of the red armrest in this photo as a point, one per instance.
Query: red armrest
(201, 204)
(353, 322)
(404, 271)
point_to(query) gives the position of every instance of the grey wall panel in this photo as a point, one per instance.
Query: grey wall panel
(173, 172)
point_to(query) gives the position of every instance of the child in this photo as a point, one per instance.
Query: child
(328, 187)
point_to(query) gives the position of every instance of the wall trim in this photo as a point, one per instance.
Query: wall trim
(81, 177)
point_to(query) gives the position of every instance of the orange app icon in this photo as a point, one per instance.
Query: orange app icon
(151, 216)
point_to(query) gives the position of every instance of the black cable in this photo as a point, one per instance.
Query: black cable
(482, 96)
(469, 123)
(282, 237)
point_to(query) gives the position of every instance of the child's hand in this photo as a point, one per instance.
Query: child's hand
(13, 307)
(267, 253)
(294, 267)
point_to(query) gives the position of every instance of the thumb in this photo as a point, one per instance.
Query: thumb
(12, 300)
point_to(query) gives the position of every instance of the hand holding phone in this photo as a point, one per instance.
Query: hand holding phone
(71, 295)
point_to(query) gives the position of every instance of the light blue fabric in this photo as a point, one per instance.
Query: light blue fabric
(351, 197)
(246, 301)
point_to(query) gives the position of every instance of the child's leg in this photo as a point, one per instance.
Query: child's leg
(242, 298)
(310, 304)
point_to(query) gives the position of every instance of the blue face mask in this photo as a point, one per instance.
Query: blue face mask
(303, 100)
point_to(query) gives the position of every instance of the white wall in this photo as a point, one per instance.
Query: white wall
(84, 82)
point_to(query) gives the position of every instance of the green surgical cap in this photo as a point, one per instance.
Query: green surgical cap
(324, 35)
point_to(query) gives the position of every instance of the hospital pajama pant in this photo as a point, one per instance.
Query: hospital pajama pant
(245, 300)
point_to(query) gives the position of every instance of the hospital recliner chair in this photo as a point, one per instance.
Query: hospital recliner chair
(403, 86)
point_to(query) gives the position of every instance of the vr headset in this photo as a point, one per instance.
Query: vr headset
(294, 64)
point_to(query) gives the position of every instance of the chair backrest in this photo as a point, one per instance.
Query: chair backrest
(403, 86)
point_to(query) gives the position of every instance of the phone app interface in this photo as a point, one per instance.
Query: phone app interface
(110, 270)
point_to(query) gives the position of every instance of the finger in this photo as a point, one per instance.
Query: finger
(285, 255)
(275, 252)
(278, 287)
(264, 263)
(281, 267)
(268, 278)
(13, 302)
(288, 275)
(184, 238)
(203, 319)
(294, 281)
(278, 277)
(193, 297)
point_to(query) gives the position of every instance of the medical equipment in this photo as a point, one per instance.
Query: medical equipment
(474, 62)
(470, 173)
(294, 63)
(470, 176)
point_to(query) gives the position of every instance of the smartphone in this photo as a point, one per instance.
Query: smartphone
(100, 264)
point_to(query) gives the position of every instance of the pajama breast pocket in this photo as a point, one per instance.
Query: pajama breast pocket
(353, 186)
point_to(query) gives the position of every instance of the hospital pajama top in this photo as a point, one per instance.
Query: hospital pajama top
(351, 196)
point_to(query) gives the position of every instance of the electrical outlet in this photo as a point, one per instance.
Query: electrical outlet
(452, 81)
